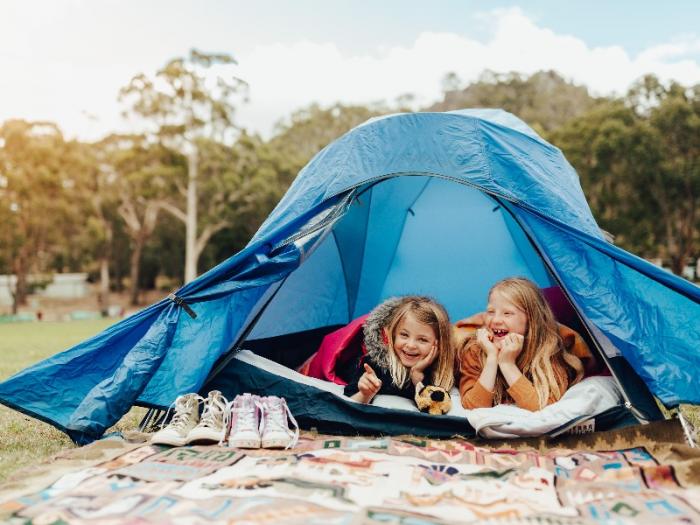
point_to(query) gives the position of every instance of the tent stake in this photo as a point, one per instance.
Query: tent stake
(687, 429)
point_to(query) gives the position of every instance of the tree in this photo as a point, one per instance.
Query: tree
(674, 188)
(257, 175)
(308, 130)
(188, 102)
(100, 190)
(144, 174)
(37, 181)
(639, 163)
(544, 100)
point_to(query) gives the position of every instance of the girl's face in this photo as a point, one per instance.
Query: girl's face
(413, 340)
(504, 317)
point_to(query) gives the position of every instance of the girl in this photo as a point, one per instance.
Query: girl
(408, 341)
(518, 355)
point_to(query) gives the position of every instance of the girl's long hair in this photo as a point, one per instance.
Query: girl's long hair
(542, 347)
(427, 311)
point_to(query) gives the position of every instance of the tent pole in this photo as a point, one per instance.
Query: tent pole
(146, 419)
(628, 403)
(226, 358)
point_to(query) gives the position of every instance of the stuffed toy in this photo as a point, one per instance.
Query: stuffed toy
(433, 400)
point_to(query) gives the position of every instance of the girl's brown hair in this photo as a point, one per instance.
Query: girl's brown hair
(427, 311)
(542, 347)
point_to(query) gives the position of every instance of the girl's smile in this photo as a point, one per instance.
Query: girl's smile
(413, 340)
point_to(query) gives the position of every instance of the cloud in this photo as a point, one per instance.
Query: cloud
(81, 96)
(285, 77)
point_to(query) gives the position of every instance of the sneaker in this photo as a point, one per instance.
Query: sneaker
(245, 422)
(275, 424)
(211, 428)
(185, 419)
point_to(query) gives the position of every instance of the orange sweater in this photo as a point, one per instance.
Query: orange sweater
(522, 392)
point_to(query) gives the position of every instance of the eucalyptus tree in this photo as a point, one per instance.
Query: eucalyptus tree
(37, 194)
(545, 100)
(143, 173)
(188, 102)
(99, 185)
(308, 130)
(672, 190)
(638, 158)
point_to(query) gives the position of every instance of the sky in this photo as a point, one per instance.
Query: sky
(65, 60)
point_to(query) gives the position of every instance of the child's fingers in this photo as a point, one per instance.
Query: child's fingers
(375, 381)
(368, 370)
(369, 383)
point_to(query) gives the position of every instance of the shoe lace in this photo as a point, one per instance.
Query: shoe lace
(213, 415)
(184, 406)
(245, 417)
(275, 414)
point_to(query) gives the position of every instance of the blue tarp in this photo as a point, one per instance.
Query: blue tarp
(652, 316)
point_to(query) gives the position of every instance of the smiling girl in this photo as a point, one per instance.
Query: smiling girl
(518, 355)
(408, 341)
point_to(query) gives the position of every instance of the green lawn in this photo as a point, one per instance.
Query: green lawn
(24, 440)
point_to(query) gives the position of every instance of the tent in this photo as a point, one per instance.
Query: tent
(407, 203)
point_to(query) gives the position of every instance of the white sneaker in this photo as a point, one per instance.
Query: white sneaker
(185, 419)
(275, 427)
(244, 414)
(211, 428)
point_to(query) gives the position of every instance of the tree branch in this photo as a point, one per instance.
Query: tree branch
(207, 234)
(173, 210)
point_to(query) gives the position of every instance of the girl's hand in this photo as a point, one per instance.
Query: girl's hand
(418, 370)
(369, 384)
(511, 347)
(483, 337)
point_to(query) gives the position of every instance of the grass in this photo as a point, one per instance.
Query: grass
(24, 440)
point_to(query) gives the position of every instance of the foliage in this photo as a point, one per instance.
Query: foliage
(39, 175)
(307, 131)
(190, 105)
(639, 163)
(544, 100)
(67, 205)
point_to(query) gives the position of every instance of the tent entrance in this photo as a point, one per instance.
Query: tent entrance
(403, 235)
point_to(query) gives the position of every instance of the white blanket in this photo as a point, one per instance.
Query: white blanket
(584, 400)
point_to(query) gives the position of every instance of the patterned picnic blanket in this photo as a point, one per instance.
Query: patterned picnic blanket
(330, 479)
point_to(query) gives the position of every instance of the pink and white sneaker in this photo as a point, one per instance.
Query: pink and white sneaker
(275, 432)
(244, 422)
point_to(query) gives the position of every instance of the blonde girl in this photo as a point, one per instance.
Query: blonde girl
(407, 342)
(518, 355)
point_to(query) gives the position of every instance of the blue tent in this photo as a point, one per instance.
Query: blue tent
(407, 203)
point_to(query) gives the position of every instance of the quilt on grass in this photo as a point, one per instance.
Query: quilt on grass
(329, 480)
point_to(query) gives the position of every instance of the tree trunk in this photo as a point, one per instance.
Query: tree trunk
(191, 224)
(103, 295)
(135, 267)
(19, 296)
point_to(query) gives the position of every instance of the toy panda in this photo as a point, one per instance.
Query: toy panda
(433, 400)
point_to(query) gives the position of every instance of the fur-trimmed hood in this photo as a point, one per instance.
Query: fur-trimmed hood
(375, 342)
